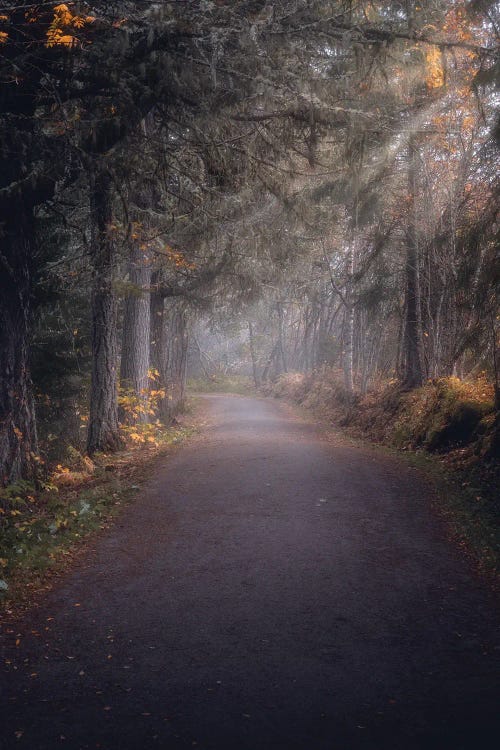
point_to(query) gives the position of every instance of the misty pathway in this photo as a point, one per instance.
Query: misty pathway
(269, 590)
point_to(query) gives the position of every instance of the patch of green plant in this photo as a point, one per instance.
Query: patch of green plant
(468, 500)
(239, 384)
(34, 534)
(401, 436)
(39, 526)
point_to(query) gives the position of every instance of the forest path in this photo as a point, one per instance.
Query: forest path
(269, 590)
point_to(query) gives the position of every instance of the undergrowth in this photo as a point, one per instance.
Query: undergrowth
(42, 525)
(239, 384)
(449, 426)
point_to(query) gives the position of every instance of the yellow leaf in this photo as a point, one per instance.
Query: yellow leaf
(67, 40)
(435, 72)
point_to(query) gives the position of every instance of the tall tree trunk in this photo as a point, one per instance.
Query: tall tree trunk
(283, 366)
(251, 341)
(269, 362)
(103, 434)
(495, 340)
(348, 348)
(157, 307)
(169, 346)
(134, 370)
(159, 349)
(178, 347)
(414, 368)
(305, 359)
(18, 438)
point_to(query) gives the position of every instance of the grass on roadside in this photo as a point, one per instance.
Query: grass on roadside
(42, 528)
(445, 428)
(239, 384)
(466, 501)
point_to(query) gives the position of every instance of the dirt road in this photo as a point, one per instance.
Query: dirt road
(269, 590)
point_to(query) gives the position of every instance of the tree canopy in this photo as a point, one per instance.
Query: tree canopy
(320, 174)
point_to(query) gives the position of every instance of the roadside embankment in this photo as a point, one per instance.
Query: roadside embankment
(453, 421)
(45, 525)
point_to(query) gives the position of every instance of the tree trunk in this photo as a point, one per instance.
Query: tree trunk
(157, 305)
(348, 348)
(134, 370)
(178, 347)
(169, 345)
(270, 360)
(18, 438)
(159, 349)
(251, 340)
(282, 366)
(414, 369)
(103, 434)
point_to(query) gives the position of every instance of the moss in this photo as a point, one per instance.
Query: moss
(443, 415)
(401, 436)
(41, 528)
(458, 427)
(239, 384)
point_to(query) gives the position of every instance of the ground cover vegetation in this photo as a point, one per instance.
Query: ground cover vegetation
(313, 183)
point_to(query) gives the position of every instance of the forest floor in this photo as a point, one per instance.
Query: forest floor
(45, 529)
(274, 586)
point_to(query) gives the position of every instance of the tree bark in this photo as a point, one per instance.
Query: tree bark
(413, 346)
(103, 434)
(134, 370)
(348, 348)
(18, 436)
(251, 341)
(159, 351)
(283, 365)
(169, 346)
(177, 360)
(270, 360)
